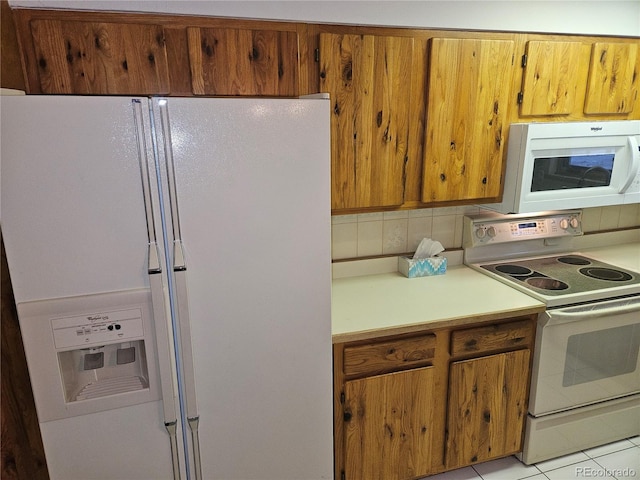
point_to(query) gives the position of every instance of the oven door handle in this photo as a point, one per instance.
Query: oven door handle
(595, 310)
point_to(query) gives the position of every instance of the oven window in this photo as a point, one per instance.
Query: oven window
(596, 355)
(575, 171)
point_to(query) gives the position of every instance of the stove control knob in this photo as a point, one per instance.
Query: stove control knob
(491, 231)
(574, 222)
(480, 232)
(564, 224)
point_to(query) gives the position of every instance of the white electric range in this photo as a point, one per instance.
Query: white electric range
(585, 385)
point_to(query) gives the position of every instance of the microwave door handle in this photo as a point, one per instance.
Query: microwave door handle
(635, 163)
(588, 312)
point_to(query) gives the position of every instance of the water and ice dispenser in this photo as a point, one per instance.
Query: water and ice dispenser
(108, 354)
(90, 353)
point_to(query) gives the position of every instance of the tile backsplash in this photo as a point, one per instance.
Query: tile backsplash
(371, 234)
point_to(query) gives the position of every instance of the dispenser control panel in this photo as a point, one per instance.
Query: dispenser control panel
(97, 328)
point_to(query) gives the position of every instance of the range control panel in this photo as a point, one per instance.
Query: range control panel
(97, 328)
(490, 229)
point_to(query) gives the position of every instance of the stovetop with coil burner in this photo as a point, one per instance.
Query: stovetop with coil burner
(565, 274)
(527, 252)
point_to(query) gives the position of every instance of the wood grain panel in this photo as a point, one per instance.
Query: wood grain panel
(382, 357)
(226, 61)
(178, 60)
(22, 450)
(100, 58)
(54, 73)
(550, 84)
(339, 55)
(388, 432)
(487, 407)
(492, 337)
(417, 116)
(466, 118)
(11, 74)
(368, 79)
(613, 79)
(338, 420)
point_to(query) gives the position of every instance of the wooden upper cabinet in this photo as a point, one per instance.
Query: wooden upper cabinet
(100, 58)
(466, 124)
(369, 80)
(613, 78)
(551, 77)
(226, 61)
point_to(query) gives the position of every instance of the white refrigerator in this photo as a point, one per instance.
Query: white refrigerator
(170, 260)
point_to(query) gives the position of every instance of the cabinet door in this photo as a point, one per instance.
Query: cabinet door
(550, 80)
(466, 118)
(227, 61)
(369, 80)
(613, 84)
(388, 425)
(100, 58)
(487, 407)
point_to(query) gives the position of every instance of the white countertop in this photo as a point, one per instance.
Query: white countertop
(379, 304)
(389, 303)
(624, 256)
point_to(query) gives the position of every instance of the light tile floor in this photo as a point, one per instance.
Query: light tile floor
(615, 461)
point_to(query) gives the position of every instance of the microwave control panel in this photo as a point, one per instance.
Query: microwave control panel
(485, 230)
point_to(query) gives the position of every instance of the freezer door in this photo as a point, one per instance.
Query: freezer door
(252, 193)
(74, 226)
(73, 216)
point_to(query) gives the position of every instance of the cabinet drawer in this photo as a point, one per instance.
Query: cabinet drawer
(492, 337)
(387, 356)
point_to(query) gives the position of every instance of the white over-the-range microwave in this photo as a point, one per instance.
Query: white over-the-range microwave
(553, 166)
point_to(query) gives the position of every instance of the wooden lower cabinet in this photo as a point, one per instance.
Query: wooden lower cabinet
(419, 404)
(388, 425)
(487, 407)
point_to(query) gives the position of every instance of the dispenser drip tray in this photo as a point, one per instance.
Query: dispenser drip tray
(111, 386)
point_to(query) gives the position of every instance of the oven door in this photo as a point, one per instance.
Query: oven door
(585, 354)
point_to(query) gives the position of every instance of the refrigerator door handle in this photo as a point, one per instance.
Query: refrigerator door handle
(193, 425)
(172, 431)
(164, 362)
(182, 299)
(144, 173)
(180, 279)
(157, 298)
